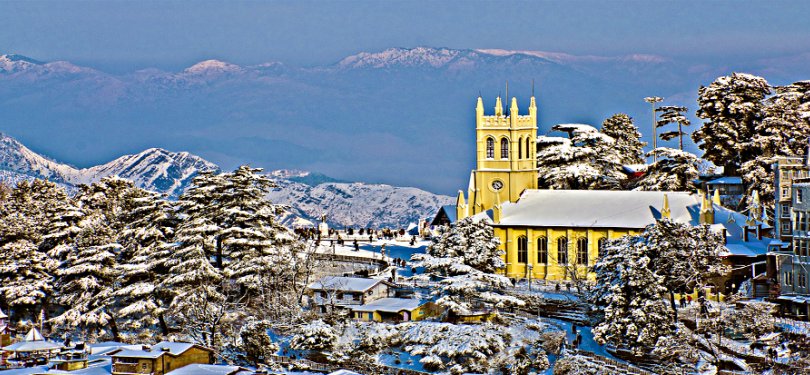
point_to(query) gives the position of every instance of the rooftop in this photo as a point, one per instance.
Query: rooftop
(173, 348)
(392, 305)
(346, 284)
(199, 369)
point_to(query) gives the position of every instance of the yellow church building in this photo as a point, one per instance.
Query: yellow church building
(554, 234)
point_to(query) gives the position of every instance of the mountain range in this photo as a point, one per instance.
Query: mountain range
(309, 196)
(401, 116)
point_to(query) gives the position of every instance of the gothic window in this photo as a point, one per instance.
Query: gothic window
(504, 148)
(520, 149)
(542, 250)
(490, 148)
(562, 250)
(523, 249)
(528, 148)
(582, 251)
(600, 246)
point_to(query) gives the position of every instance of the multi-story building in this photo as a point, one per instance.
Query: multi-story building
(339, 292)
(786, 170)
(793, 265)
(160, 358)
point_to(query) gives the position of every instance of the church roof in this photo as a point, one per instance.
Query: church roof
(597, 208)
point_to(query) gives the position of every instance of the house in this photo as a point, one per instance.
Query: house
(339, 292)
(445, 216)
(160, 358)
(395, 310)
(730, 188)
(33, 348)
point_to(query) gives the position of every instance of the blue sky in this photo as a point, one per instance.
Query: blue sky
(122, 36)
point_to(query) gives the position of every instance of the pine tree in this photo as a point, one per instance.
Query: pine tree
(146, 240)
(25, 275)
(627, 138)
(671, 114)
(733, 109)
(784, 131)
(674, 170)
(588, 159)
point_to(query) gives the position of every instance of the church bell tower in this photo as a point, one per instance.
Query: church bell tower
(506, 162)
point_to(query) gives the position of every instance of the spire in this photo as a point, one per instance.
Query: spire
(34, 335)
(496, 209)
(461, 207)
(479, 107)
(706, 210)
(514, 109)
(716, 198)
(498, 106)
(665, 211)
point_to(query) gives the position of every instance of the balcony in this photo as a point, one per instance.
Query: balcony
(121, 368)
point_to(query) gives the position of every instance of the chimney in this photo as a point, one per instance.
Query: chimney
(165, 349)
(759, 231)
(147, 348)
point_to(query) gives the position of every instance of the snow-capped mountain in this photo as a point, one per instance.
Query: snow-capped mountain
(357, 204)
(153, 169)
(309, 195)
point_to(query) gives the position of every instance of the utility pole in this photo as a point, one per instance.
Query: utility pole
(652, 100)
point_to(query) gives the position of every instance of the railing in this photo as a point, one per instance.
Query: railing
(626, 369)
(351, 365)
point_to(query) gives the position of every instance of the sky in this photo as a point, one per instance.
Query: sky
(128, 35)
(120, 37)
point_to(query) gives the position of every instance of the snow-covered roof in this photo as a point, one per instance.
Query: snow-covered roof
(107, 346)
(344, 372)
(596, 208)
(795, 299)
(635, 168)
(3, 315)
(99, 370)
(199, 369)
(345, 284)
(392, 305)
(34, 335)
(726, 180)
(173, 348)
(33, 346)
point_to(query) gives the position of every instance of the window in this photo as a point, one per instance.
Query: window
(600, 244)
(785, 210)
(784, 192)
(340, 295)
(528, 148)
(542, 250)
(520, 149)
(504, 148)
(802, 279)
(356, 296)
(490, 148)
(562, 250)
(323, 294)
(799, 195)
(523, 249)
(582, 251)
(785, 227)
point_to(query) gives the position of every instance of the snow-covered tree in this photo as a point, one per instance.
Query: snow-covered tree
(455, 348)
(256, 343)
(315, 336)
(468, 255)
(628, 292)
(25, 274)
(627, 138)
(674, 170)
(587, 159)
(146, 239)
(733, 109)
(784, 131)
(671, 114)
(85, 281)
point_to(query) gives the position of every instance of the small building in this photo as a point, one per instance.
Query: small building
(5, 331)
(160, 358)
(395, 310)
(445, 216)
(34, 349)
(793, 265)
(339, 292)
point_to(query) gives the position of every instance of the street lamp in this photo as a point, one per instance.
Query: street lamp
(652, 100)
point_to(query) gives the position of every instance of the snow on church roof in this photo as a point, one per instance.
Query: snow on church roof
(596, 208)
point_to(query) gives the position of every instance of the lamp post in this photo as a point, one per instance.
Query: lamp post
(652, 100)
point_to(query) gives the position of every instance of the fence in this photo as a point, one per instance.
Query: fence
(613, 364)
(351, 365)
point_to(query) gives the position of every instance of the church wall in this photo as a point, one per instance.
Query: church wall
(552, 270)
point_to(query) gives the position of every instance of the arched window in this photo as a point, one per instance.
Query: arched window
(582, 251)
(523, 249)
(520, 148)
(504, 148)
(600, 246)
(542, 250)
(490, 148)
(528, 148)
(562, 250)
